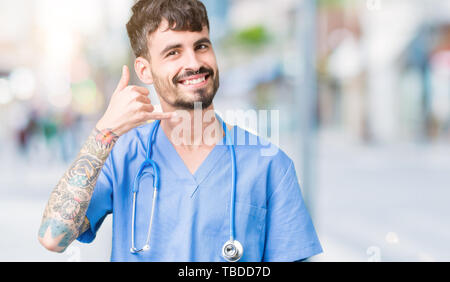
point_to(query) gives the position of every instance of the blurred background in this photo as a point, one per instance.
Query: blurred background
(362, 88)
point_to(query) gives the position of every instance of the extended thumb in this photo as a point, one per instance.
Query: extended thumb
(124, 80)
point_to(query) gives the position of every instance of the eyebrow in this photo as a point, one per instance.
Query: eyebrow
(202, 40)
(170, 47)
(178, 45)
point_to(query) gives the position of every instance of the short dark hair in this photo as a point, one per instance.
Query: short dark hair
(182, 15)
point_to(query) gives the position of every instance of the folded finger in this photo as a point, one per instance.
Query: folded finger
(143, 99)
(138, 89)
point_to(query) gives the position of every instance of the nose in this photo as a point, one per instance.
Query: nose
(191, 61)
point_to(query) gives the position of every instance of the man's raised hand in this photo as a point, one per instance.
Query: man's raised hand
(129, 107)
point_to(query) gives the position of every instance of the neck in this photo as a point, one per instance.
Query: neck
(192, 128)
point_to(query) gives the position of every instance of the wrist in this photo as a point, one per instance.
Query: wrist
(105, 137)
(100, 143)
(106, 127)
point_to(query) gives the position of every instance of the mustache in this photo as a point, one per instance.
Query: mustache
(189, 73)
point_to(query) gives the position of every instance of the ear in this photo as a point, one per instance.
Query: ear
(143, 71)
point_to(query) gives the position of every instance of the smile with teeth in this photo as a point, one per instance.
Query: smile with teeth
(194, 81)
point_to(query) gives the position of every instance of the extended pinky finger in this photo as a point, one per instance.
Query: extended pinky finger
(160, 115)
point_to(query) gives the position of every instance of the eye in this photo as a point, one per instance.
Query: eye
(172, 53)
(202, 46)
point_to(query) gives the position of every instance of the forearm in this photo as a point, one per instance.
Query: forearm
(64, 215)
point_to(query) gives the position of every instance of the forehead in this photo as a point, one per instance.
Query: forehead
(164, 36)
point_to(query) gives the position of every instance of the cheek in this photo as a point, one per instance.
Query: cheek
(211, 60)
(162, 78)
(161, 70)
(169, 72)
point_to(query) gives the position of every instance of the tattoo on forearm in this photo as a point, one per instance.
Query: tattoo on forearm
(84, 171)
(64, 215)
(57, 228)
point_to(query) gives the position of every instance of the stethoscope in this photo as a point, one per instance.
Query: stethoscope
(232, 250)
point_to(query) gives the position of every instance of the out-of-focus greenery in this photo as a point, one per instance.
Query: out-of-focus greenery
(86, 98)
(334, 3)
(251, 37)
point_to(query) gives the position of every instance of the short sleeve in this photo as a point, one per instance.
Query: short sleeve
(290, 233)
(101, 203)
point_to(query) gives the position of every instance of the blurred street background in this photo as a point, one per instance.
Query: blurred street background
(362, 87)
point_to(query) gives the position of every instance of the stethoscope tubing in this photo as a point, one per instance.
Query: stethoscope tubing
(233, 180)
(135, 190)
(156, 181)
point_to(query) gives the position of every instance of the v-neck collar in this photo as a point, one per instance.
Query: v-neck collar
(168, 151)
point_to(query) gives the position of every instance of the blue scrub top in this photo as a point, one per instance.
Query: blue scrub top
(192, 218)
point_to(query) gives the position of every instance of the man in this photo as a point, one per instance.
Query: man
(189, 219)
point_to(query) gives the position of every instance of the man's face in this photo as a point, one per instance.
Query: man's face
(184, 68)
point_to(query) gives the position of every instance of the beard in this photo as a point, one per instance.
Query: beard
(178, 98)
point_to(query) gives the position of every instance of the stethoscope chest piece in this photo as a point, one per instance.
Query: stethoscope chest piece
(232, 251)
